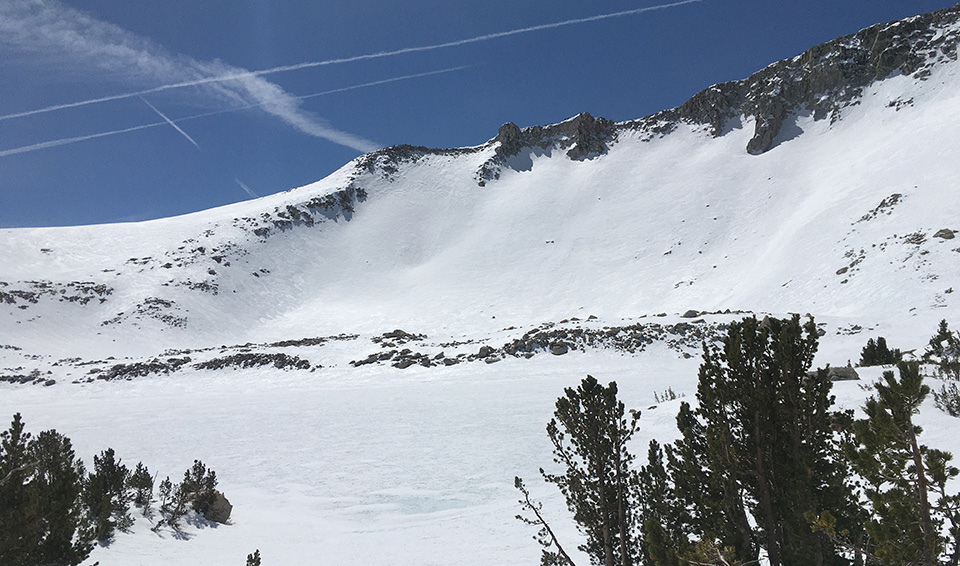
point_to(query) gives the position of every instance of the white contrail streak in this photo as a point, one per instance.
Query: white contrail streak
(326, 92)
(385, 81)
(246, 188)
(380, 54)
(71, 38)
(65, 141)
(171, 122)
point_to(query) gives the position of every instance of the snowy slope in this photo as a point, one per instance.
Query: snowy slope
(682, 221)
(572, 239)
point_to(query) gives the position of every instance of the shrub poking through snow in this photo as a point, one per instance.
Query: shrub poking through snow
(107, 496)
(943, 350)
(876, 353)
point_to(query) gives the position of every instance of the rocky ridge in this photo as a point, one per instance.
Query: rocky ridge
(823, 80)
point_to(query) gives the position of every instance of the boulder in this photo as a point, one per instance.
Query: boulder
(841, 373)
(219, 509)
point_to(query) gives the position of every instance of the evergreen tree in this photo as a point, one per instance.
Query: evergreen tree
(41, 518)
(254, 559)
(199, 485)
(877, 353)
(65, 536)
(763, 441)
(174, 503)
(944, 350)
(19, 513)
(590, 432)
(707, 480)
(106, 495)
(141, 483)
(665, 522)
(902, 475)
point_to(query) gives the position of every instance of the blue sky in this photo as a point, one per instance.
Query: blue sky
(61, 53)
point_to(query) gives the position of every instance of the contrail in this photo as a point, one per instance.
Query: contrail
(378, 55)
(325, 92)
(171, 122)
(246, 188)
(385, 81)
(65, 141)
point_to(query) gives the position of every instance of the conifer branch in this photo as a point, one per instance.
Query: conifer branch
(15, 470)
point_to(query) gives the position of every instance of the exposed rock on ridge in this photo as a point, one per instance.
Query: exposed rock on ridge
(822, 80)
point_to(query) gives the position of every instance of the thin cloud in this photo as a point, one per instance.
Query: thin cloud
(171, 122)
(241, 75)
(64, 34)
(66, 141)
(77, 139)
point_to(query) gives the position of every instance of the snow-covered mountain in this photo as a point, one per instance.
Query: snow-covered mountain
(825, 183)
(828, 183)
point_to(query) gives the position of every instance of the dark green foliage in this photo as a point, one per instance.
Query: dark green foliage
(906, 481)
(140, 483)
(590, 433)
(106, 495)
(254, 559)
(196, 492)
(944, 351)
(198, 485)
(762, 443)
(52, 511)
(173, 505)
(876, 353)
(948, 399)
(41, 513)
(18, 508)
(665, 522)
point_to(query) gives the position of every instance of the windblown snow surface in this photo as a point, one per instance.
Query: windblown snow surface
(372, 463)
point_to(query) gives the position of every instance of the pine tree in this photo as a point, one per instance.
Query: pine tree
(944, 350)
(590, 433)
(141, 483)
(106, 495)
(902, 475)
(41, 518)
(254, 559)
(762, 441)
(174, 502)
(665, 521)
(65, 536)
(19, 515)
(199, 485)
(877, 353)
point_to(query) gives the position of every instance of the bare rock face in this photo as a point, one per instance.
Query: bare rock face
(509, 140)
(219, 509)
(823, 80)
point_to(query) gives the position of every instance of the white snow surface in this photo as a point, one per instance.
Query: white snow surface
(377, 465)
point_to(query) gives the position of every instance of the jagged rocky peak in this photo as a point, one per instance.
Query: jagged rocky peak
(826, 77)
(584, 135)
(822, 81)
